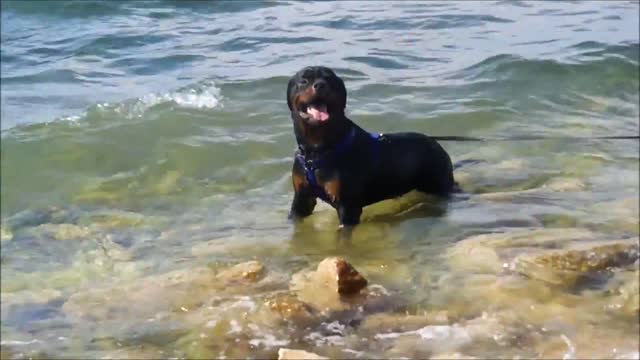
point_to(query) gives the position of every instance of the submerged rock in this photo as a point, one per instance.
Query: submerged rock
(565, 184)
(250, 271)
(293, 354)
(66, 231)
(394, 322)
(241, 327)
(115, 219)
(144, 297)
(626, 293)
(506, 196)
(474, 257)
(557, 256)
(618, 215)
(577, 262)
(290, 308)
(103, 261)
(35, 217)
(533, 238)
(35, 296)
(437, 339)
(178, 291)
(5, 233)
(491, 253)
(590, 342)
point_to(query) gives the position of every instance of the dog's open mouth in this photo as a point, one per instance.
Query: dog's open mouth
(317, 112)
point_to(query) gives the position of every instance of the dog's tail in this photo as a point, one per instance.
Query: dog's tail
(466, 162)
(456, 187)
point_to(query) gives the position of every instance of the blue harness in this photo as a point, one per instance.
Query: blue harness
(310, 166)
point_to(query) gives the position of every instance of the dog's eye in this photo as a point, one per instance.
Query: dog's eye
(303, 82)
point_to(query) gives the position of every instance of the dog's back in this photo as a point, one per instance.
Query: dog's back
(401, 162)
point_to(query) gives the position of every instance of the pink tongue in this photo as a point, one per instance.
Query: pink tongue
(318, 113)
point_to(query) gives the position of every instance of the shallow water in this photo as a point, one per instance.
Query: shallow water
(139, 141)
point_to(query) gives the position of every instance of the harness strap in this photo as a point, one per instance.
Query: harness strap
(311, 166)
(376, 151)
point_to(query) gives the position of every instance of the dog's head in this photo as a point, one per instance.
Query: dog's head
(316, 95)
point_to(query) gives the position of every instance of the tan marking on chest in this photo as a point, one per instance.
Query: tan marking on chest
(332, 189)
(298, 181)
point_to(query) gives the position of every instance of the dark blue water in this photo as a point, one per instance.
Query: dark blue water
(58, 58)
(145, 142)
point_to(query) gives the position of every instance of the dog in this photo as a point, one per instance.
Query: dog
(347, 167)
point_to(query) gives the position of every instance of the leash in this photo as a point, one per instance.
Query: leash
(534, 137)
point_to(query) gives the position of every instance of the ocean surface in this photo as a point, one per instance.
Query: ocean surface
(145, 144)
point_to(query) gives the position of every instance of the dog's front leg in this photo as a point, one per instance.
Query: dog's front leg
(349, 217)
(302, 205)
(303, 200)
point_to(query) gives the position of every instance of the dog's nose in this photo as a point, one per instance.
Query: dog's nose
(319, 85)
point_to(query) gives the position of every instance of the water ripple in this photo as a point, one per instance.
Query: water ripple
(170, 44)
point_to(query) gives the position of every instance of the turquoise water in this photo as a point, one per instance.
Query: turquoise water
(144, 138)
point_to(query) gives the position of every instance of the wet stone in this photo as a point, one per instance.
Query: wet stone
(331, 286)
(451, 356)
(340, 276)
(293, 354)
(349, 280)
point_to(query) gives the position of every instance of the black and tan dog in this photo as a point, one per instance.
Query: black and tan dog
(347, 167)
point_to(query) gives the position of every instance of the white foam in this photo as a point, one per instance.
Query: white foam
(354, 352)
(336, 328)
(320, 339)
(204, 96)
(452, 335)
(18, 342)
(571, 351)
(268, 341)
(235, 327)
(243, 302)
(211, 323)
(631, 355)
(73, 118)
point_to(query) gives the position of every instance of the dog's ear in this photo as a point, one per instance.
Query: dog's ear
(340, 89)
(290, 87)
